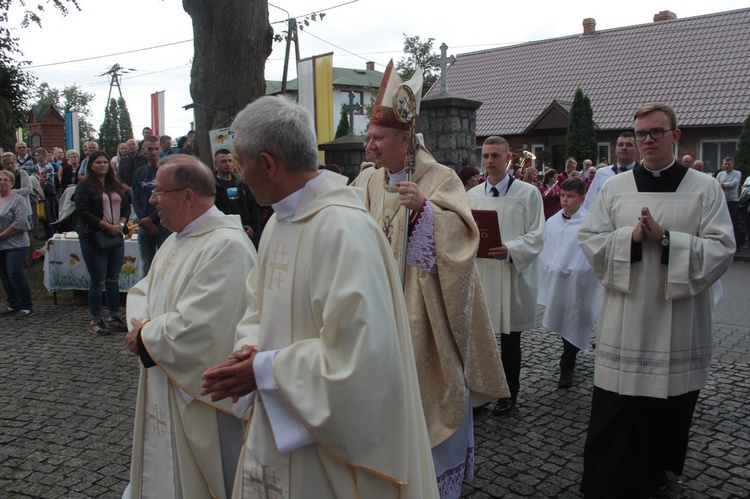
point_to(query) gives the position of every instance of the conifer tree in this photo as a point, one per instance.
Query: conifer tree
(124, 124)
(108, 133)
(742, 153)
(580, 140)
(343, 128)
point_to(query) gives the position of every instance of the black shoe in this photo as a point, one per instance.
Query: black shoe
(504, 406)
(23, 314)
(566, 379)
(98, 328)
(117, 325)
(8, 311)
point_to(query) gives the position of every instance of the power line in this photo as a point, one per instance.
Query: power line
(108, 55)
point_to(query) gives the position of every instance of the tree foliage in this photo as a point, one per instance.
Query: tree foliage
(70, 98)
(284, 36)
(742, 153)
(343, 128)
(109, 135)
(15, 83)
(418, 54)
(580, 140)
(123, 120)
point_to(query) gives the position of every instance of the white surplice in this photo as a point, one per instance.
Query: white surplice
(567, 285)
(510, 286)
(655, 327)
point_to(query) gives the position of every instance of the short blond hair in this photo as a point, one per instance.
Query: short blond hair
(8, 174)
(657, 106)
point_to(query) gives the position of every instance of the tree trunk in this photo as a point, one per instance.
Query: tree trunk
(232, 40)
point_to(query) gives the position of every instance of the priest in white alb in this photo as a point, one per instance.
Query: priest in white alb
(324, 370)
(184, 314)
(657, 238)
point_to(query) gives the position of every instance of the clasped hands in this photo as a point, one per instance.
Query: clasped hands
(647, 228)
(232, 378)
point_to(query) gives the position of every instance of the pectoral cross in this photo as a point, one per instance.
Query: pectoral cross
(269, 482)
(157, 418)
(279, 267)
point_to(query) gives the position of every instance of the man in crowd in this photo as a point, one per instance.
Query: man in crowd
(571, 165)
(25, 160)
(510, 276)
(729, 179)
(92, 146)
(325, 345)
(590, 174)
(165, 144)
(458, 363)
(698, 165)
(146, 132)
(657, 238)
(129, 164)
(183, 315)
(687, 160)
(151, 233)
(625, 153)
(190, 146)
(46, 175)
(233, 196)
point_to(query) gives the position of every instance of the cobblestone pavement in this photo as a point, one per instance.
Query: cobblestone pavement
(66, 417)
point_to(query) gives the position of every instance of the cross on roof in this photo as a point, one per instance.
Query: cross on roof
(443, 62)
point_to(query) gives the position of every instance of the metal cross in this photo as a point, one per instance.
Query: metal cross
(351, 108)
(443, 62)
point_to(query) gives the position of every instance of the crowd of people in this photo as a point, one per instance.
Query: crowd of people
(346, 349)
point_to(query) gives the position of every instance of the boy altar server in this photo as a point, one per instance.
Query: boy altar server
(567, 285)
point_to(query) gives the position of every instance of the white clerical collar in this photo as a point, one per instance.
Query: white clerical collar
(394, 178)
(210, 213)
(657, 173)
(502, 186)
(629, 167)
(287, 207)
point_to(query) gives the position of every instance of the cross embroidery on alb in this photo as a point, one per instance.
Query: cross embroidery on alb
(268, 480)
(279, 266)
(157, 418)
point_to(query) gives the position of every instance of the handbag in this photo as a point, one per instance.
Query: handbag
(104, 241)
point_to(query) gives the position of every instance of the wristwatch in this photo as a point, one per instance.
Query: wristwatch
(122, 225)
(665, 239)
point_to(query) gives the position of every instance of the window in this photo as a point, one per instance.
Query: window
(604, 153)
(713, 151)
(538, 151)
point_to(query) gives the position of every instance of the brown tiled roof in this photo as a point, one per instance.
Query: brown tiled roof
(698, 65)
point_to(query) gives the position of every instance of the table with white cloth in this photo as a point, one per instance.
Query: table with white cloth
(64, 268)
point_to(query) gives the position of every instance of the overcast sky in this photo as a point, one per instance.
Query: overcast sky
(158, 34)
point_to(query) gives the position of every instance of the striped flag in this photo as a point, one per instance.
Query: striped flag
(157, 113)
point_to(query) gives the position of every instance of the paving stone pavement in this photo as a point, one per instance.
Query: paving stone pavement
(66, 417)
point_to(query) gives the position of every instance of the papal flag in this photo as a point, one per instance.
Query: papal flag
(157, 113)
(315, 79)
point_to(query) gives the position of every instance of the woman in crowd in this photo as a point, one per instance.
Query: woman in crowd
(14, 245)
(122, 150)
(22, 184)
(68, 170)
(469, 175)
(101, 207)
(550, 193)
(531, 176)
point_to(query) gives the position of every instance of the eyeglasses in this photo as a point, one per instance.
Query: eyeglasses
(159, 192)
(655, 134)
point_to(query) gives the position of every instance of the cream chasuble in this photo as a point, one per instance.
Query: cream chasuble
(655, 324)
(190, 297)
(325, 305)
(451, 331)
(568, 287)
(510, 286)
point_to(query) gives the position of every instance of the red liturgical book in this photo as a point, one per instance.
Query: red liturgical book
(489, 231)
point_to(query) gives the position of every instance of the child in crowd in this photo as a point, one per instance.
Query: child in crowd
(568, 288)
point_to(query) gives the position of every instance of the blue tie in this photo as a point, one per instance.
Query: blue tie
(495, 192)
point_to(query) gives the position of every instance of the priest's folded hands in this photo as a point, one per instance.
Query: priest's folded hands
(233, 377)
(647, 228)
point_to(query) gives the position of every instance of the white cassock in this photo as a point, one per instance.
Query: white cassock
(337, 412)
(190, 297)
(510, 287)
(567, 285)
(655, 327)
